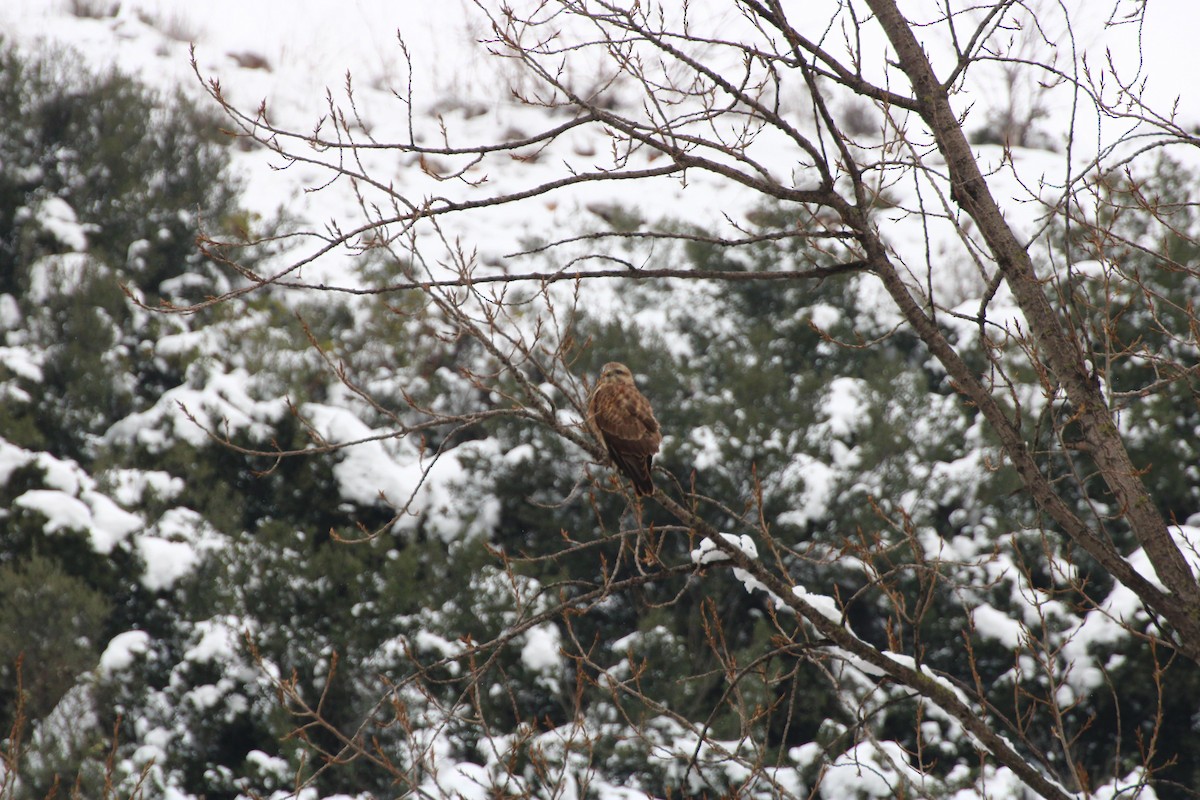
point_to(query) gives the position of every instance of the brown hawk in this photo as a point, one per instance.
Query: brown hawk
(623, 419)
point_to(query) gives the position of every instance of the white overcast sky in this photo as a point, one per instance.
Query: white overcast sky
(1172, 52)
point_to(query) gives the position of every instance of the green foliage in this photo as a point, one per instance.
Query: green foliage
(86, 384)
(861, 461)
(54, 622)
(237, 494)
(843, 451)
(97, 163)
(1144, 321)
(134, 167)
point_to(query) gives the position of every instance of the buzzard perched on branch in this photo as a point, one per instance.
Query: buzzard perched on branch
(625, 423)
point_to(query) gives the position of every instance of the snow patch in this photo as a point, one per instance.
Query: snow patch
(870, 769)
(130, 486)
(174, 545)
(62, 274)
(541, 650)
(818, 480)
(707, 552)
(24, 362)
(56, 217)
(378, 467)
(991, 623)
(10, 312)
(431, 642)
(825, 605)
(215, 639)
(844, 406)
(122, 650)
(220, 402)
(106, 523)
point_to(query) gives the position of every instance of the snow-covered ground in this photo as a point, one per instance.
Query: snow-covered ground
(290, 54)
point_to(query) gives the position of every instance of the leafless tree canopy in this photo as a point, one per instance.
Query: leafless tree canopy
(857, 121)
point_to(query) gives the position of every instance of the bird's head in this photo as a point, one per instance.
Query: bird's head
(616, 372)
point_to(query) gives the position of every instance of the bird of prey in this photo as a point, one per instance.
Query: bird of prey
(622, 417)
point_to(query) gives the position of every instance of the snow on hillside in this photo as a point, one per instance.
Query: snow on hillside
(291, 53)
